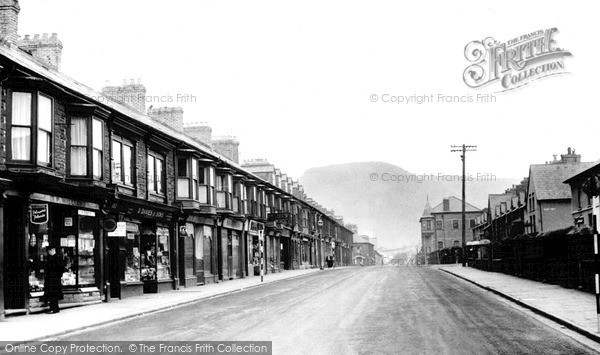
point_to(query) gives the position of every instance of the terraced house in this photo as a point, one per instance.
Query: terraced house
(136, 201)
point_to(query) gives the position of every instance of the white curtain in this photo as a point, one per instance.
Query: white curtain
(21, 143)
(78, 146)
(21, 116)
(127, 165)
(151, 174)
(44, 128)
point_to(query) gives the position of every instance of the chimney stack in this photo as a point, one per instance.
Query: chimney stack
(9, 21)
(228, 147)
(132, 94)
(45, 49)
(570, 157)
(446, 205)
(169, 116)
(199, 131)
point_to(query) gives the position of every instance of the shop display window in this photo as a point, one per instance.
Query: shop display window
(73, 232)
(163, 262)
(148, 256)
(132, 246)
(37, 241)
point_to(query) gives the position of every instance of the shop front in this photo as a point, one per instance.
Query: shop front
(273, 251)
(254, 229)
(230, 249)
(34, 223)
(194, 238)
(141, 251)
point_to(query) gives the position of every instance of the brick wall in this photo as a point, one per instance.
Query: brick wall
(45, 49)
(169, 116)
(60, 139)
(9, 20)
(141, 167)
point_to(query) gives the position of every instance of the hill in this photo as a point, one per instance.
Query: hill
(387, 201)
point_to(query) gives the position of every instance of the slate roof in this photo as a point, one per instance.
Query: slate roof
(497, 199)
(426, 210)
(547, 179)
(357, 238)
(455, 206)
(595, 169)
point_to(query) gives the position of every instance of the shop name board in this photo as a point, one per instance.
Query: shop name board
(281, 216)
(256, 226)
(151, 213)
(38, 213)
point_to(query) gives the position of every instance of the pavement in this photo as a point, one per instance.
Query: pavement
(35, 327)
(573, 309)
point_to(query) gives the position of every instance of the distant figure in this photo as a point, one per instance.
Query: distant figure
(329, 260)
(52, 281)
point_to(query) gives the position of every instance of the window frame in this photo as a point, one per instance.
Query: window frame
(90, 149)
(34, 128)
(156, 156)
(123, 142)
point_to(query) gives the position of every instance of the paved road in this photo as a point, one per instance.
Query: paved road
(396, 310)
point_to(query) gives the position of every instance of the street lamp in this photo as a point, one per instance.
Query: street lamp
(320, 225)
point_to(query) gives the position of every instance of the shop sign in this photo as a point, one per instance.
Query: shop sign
(281, 216)
(68, 221)
(39, 213)
(255, 226)
(232, 224)
(120, 231)
(150, 213)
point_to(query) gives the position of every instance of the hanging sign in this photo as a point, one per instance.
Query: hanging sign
(119, 231)
(39, 213)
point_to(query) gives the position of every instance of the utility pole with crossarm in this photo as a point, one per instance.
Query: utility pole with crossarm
(463, 149)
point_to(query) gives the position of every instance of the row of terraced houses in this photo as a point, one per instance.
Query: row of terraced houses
(136, 201)
(540, 228)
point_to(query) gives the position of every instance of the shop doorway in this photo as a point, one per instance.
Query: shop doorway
(15, 272)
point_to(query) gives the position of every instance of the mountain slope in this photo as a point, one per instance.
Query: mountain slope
(389, 210)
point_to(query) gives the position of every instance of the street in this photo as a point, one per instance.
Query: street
(401, 310)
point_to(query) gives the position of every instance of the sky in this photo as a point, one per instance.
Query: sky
(293, 81)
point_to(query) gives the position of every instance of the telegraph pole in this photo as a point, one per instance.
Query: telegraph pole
(463, 149)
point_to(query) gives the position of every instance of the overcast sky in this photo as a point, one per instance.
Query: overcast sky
(293, 80)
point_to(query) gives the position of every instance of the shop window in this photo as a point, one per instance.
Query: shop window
(30, 127)
(86, 146)
(122, 162)
(156, 174)
(73, 232)
(154, 257)
(189, 246)
(132, 253)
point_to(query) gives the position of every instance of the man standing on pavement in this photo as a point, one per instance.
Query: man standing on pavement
(52, 281)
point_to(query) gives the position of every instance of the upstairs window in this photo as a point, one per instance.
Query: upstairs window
(439, 225)
(31, 125)
(86, 146)
(156, 174)
(122, 162)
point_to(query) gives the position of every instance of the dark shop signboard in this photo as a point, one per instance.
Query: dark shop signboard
(38, 213)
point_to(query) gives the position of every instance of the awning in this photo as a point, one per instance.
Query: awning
(478, 243)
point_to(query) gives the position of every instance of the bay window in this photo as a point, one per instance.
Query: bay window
(86, 146)
(195, 181)
(156, 174)
(31, 123)
(122, 163)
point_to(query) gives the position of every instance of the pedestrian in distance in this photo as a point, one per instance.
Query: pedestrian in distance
(52, 281)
